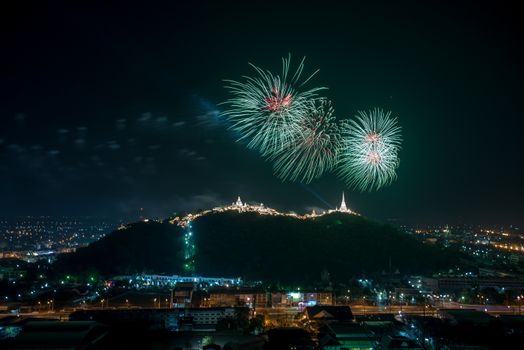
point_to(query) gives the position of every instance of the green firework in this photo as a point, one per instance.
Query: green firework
(312, 146)
(263, 109)
(369, 150)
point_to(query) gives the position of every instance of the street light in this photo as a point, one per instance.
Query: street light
(50, 306)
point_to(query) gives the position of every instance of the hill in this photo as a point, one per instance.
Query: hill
(149, 247)
(275, 248)
(263, 247)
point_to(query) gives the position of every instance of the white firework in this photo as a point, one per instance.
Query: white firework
(264, 109)
(369, 150)
(312, 147)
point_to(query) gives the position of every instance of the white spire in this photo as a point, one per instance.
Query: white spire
(239, 202)
(343, 204)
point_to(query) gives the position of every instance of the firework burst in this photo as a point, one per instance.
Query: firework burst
(369, 150)
(311, 148)
(264, 109)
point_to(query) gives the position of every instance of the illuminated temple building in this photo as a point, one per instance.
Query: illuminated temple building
(244, 207)
(343, 208)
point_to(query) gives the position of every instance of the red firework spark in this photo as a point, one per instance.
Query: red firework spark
(373, 157)
(372, 137)
(276, 101)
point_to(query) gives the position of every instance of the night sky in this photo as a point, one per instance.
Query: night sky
(109, 109)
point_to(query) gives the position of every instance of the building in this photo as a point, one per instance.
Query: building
(229, 297)
(190, 319)
(515, 259)
(429, 285)
(182, 294)
(451, 284)
(328, 314)
(341, 336)
(59, 335)
(397, 343)
(302, 299)
(343, 207)
(144, 281)
(288, 338)
(220, 298)
(12, 269)
(406, 293)
(242, 207)
(380, 324)
(137, 318)
(318, 298)
(206, 319)
(466, 316)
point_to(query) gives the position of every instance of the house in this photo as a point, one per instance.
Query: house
(466, 316)
(328, 314)
(288, 338)
(345, 336)
(398, 343)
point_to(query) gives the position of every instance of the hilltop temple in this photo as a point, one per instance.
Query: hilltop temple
(243, 207)
(343, 207)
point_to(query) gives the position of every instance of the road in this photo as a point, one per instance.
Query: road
(288, 314)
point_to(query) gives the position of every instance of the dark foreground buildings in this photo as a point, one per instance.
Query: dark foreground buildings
(317, 327)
